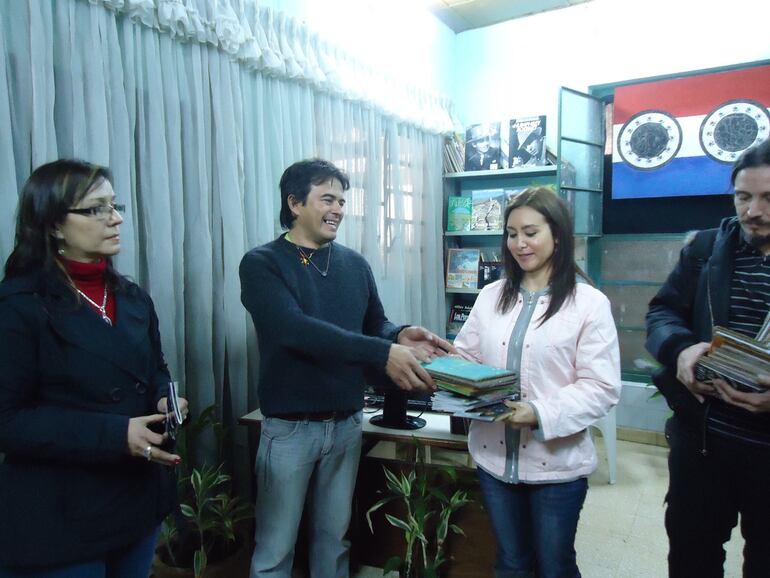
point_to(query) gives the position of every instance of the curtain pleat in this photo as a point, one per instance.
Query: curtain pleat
(197, 135)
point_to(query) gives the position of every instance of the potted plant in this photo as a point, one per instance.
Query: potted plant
(429, 498)
(206, 537)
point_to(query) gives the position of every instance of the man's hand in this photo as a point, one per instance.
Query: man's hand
(753, 402)
(685, 365)
(404, 369)
(425, 345)
(523, 415)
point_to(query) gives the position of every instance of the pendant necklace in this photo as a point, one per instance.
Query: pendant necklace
(101, 308)
(306, 259)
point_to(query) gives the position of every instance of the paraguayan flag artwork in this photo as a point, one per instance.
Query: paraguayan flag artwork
(680, 137)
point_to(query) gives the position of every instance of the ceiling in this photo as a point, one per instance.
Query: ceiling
(461, 15)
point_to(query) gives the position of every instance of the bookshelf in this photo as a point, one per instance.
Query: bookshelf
(464, 184)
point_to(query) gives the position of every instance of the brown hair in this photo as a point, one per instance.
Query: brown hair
(564, 270)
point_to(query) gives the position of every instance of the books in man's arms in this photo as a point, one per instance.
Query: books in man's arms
(495, 411)
(458, 371)
(736, 358)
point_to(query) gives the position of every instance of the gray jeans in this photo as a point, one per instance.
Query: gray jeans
(317, 460)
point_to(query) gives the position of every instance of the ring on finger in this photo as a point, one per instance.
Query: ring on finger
(147, 453)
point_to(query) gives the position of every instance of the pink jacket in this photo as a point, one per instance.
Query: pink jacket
(570, 373)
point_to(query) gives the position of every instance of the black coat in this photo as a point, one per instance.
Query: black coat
(694, 299)
(69, 383)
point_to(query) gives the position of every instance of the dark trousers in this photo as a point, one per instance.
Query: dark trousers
(705, 495)
(534, 526)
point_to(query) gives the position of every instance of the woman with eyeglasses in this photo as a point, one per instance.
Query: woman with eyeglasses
(85, 482)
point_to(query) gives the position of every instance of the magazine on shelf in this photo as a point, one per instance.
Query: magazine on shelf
(483, 147)
(462, 270)
(526, 142)
(459, 210)
(488, 207)
(458, 315)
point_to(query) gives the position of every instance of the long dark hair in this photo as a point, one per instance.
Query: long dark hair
(563, 267)
(45, 199)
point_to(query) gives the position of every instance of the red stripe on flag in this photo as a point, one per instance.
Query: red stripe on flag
(692, 95)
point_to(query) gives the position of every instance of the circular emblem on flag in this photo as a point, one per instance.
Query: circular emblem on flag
(649, 139)
(733, 127)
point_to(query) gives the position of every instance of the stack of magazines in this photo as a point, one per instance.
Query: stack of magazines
(472, 390)
(737, 359)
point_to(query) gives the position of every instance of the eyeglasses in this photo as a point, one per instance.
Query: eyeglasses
(101, 212)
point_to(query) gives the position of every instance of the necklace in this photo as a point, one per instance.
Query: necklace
(308, 260)
(101, 308)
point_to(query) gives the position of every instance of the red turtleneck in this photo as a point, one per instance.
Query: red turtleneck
(89, 278)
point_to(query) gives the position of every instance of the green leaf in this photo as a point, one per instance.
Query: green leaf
(187, 510)
(397, 523)
(392, 564)
(195, 480)
(199, 563)
(457, 529)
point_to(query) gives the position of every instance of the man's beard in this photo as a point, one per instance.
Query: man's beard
(756, 241)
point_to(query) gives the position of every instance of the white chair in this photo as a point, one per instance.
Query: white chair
(608, 426)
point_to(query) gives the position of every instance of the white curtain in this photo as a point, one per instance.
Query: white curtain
(197, 120)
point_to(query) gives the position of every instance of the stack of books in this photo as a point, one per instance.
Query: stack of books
(454, 153)
(737, 359)
(472, 390)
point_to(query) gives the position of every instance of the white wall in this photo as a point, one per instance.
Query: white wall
(516, 68)
(399, 37)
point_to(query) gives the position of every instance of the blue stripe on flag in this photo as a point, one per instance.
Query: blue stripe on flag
(681, 177)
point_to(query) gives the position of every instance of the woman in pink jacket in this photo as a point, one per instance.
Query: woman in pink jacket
(548, 324)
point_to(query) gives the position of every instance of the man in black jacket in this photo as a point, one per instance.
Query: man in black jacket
(719, 464)
(319, 322)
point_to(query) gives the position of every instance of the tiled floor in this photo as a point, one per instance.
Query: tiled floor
(621, 533)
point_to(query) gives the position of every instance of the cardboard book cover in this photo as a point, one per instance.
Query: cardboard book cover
(488, 208)
(462, 270)
(459, 213)
(483, 150)
(453, 368)
(735, 358)
(490, 413)
(526, 142)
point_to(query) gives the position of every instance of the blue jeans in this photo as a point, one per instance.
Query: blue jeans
(297, 461)
(133, 561)
(534, 525)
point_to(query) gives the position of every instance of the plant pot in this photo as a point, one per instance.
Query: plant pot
(234, 566)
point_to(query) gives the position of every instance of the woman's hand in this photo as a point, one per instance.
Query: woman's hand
(183, 406)
(144, 443)
(523, 415)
